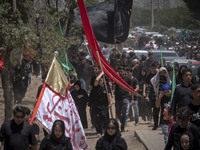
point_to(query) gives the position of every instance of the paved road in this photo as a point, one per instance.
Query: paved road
(137, 137)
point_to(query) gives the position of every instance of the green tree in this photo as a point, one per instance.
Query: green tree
(22, 24)
(13, 37)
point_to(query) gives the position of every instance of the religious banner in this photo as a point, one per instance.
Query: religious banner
(56, 103)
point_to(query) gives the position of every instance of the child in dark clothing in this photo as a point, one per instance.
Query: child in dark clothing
(182, 125)
(162, 101)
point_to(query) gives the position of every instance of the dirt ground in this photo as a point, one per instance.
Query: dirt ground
(29, 101)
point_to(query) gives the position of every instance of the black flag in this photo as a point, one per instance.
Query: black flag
(109, 21)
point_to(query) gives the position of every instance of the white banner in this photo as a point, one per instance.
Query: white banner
(53, 107)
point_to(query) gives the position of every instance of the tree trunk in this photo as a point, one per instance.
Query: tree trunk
(7, 84)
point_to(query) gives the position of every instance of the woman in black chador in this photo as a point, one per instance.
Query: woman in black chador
(112, 139)
(20, 84)
(57, 139)
(80, 97)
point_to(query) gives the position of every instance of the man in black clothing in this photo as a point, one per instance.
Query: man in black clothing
(183, 125)
(134, 99)
(153, 71)
(83, 73)
(96, 71)
(194, 106)
(182, 94)
(16, 133)
(40, 87)
(122, 98)
(112, 58)
(36, 128)
(75, 61)
(72, 79)
(148, 62)
(27, 65)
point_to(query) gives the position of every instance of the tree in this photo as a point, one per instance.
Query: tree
(22, 25)
(13, 37)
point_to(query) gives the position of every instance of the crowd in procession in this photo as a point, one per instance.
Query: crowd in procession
(177, 113)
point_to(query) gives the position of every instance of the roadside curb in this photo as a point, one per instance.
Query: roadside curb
(141, 138)
(152, 140)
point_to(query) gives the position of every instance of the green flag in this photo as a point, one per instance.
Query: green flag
(161, 57)
(173, 82)
(63, 58)
(135, 42)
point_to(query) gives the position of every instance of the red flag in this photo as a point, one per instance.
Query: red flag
(30, 52)
(95, 48)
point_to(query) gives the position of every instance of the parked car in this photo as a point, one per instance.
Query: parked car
(167, 55)
(190, 63)
(194, 66)
(139, 53)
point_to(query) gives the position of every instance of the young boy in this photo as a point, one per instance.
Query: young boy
(162, 101)
(182, 125)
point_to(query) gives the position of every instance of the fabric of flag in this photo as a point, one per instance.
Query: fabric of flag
(108, 70)
(30, 53)
(173, 82)
(110, 21)
(161, 57)
(56, 103)
(63, 58)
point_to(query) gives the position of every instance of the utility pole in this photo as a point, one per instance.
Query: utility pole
(158, 15)
(152, 14)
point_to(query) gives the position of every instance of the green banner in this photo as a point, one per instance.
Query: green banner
(63, 58)
(173, 82)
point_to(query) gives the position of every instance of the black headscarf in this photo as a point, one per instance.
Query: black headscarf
(77, 83)
(115, 141)
(63, 138)
(140, 77)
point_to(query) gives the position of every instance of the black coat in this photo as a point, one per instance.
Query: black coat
(49, 143)
(115, 142)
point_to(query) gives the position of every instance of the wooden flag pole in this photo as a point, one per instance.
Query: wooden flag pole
(89, 53)
(104, 80)
(115, 46)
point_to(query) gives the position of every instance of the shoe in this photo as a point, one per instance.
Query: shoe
(98, 135)
(122, 130)
(137, 124)
(155, 128)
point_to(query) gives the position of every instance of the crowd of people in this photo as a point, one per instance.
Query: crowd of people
(178, 114)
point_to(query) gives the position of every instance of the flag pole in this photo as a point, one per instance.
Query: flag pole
(161, 57)
(89, 53)
(115, 46)
(104, 80)
(173, 82)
